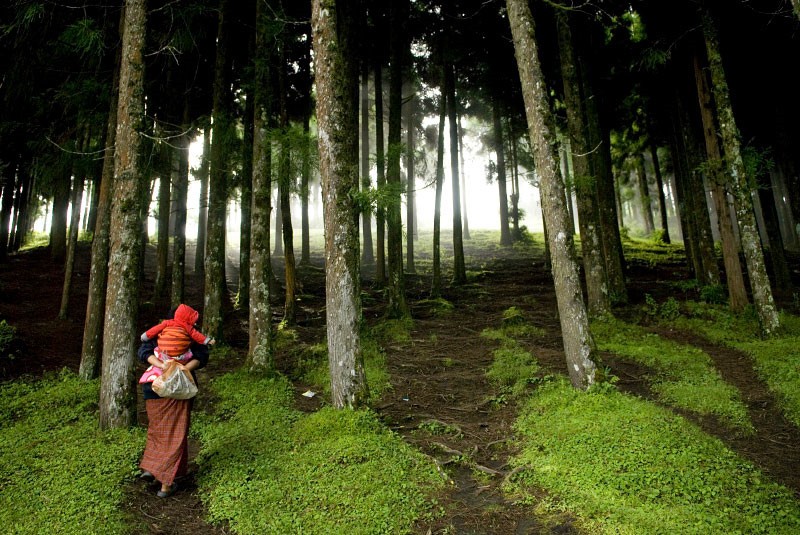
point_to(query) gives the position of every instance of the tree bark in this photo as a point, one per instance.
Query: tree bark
(202, 215)
(367, 256)
(178, 287)
(380, 211)
(411, 186)
(436, 285)
(737, 293)
(72, 243)
(584, 179)
(578, 343)
(644, 195)
(463, 176)
(215, 285)
(243, 299)
(92, 349)
(662, 201)
(8, 190)
(499, 149)
(285, 181)
(333, 24)
(459, 264)
(397, 306)
(739, 185)
(259, 355)
(305, 178)
(58, 224)
(164, 205)
(117, 394)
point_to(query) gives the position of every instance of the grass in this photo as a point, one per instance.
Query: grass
(777, 359)
(513, 368)
(58, 472)
(267, 468)
(684, 375)
(625, 466)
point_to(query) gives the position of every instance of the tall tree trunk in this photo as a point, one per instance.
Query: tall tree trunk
(117, 397)
(367, 256)
(202, 215)
(243, 297)
(517, 232)
(380, 211)
(165, 155)
(278, 217)
(72, 243)
(737, 293)
(780, 269)
(92, 349)
(578, 343)
(644, 195)
(224, 136)
(285, 180)
(333, 24)
(58, 224)
(22, 201)
(499, 148)
(181, 195)
(436, 286)
(259, 355)
(739, 185)
(662, 201)
(463, 176)
(584, 180)
(397, 306)
(411, 186)
(459, 264)
(609, 207)
(9, 186)
(305, 178)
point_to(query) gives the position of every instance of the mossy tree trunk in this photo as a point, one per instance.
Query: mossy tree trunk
(243, 299)
(221, 147)
(380, 164)
(436, 285)
(165, 154)
(741, 186)
(398, 50)
(578, 343)
(72, 242)
(459, 264)
(662, 200)
(737, 293)
(202, 204)
(584, 179)
(259, 355)
(411, 186)
(92, 348)
(367, 255)
(117, 394)
(333, 25)
(500, 151)
(177, 290)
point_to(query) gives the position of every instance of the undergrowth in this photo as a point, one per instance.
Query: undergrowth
(513, 368)
(684, 375)
(58, 472)
(626, 466)
(267, 468)
(776, 359)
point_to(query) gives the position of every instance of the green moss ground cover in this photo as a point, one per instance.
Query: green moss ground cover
(267, 468)
(684, 375)
(58, 472)
(777, 359)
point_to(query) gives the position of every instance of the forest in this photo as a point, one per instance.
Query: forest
(471, 266)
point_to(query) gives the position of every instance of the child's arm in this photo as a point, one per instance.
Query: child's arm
(200, 338)
(152, 332)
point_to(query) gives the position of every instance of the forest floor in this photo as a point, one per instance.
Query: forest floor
(438, 380)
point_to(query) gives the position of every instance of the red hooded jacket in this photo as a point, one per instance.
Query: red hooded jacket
(174, 335)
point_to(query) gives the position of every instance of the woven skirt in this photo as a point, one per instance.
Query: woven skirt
(166, 454)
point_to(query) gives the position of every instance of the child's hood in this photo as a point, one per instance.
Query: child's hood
(186, 314)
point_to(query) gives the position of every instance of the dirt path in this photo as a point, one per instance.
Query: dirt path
(776, 444)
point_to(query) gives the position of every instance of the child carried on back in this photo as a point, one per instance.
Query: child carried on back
(174, 338)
